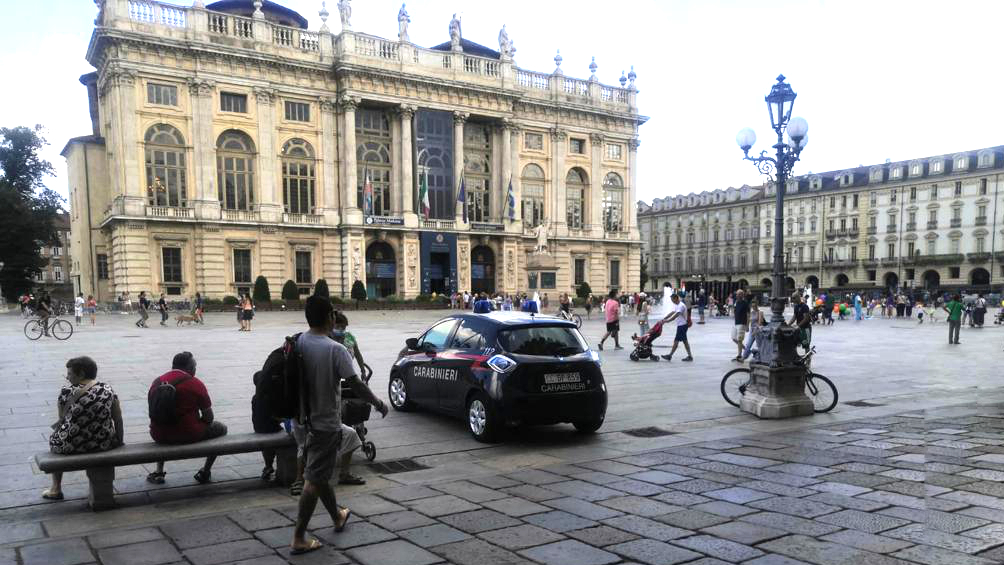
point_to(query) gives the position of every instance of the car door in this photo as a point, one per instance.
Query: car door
(465, 350)
(420, 370)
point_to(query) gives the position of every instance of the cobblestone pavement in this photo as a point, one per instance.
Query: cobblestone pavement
(919, 487)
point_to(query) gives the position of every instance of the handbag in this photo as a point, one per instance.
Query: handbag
(77, 394)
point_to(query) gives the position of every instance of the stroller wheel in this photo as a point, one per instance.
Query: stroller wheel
(654, 357)
(369, 449)
(633, 356)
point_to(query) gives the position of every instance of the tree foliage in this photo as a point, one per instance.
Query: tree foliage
(28, 209)
(289, 291)
(584, 290)
(321, 288)
(644, 275)
(261, 292)
(358, 291)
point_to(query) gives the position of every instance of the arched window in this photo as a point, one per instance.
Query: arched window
(532, 182)
(235, 170)
(576, 183)
(373, 162)
(298, 178)
(613, 203)
(166, 181)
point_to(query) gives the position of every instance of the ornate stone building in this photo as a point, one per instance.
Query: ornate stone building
(931, 223)
(230, 141)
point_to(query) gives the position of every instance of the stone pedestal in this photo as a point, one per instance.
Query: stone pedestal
(776, 392)
(102, 492)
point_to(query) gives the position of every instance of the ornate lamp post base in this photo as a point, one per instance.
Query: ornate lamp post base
(776, 392)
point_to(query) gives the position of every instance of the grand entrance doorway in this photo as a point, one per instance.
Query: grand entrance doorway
(483, 269)
(381, 270)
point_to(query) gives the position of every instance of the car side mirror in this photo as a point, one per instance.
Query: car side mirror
(411, 343)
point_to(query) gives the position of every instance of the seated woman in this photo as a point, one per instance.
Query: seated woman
(90, 418)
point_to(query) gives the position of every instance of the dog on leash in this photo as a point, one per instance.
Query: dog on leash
(184, 318)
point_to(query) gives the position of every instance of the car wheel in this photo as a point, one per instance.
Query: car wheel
(588, 426)
(397, 391)
(482, 420)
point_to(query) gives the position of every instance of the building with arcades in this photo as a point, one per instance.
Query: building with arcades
(230, 141)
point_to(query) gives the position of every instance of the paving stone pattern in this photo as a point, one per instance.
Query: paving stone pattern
(856, 492)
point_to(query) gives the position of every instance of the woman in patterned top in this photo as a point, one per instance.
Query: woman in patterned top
(90, 418)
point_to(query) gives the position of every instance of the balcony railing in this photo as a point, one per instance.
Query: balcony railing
(956, 222)
(853, 232)
(911, 226)
(891, 228)
(240, 215)
(980, 257)
(306, 219)
(168, 212)
(981, 220)
(438, 224)
(872, 230)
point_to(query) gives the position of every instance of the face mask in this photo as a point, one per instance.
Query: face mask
(338, 334)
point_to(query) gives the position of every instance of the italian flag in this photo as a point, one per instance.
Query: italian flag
(423, 195)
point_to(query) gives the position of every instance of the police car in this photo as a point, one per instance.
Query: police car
(502, 369)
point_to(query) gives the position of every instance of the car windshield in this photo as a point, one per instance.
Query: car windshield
(542, 340)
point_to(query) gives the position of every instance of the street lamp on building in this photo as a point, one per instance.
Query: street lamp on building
(777, 388)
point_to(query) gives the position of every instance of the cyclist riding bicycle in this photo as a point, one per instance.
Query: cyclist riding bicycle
(44, 309)
(564, 306)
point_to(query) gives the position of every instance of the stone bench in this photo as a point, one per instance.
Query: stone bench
(100, 467)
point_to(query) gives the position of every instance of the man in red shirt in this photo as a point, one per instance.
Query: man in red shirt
(193, 415)
(612, 310)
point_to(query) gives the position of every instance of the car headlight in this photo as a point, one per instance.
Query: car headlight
(595, 357)
(501, 364)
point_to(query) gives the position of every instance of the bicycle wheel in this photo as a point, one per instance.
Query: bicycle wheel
(577, 319)
(822, 391)
(33, 330)
(61, 330)
(734, 385)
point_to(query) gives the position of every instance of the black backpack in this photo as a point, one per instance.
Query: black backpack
(281, 384)
(162, 401)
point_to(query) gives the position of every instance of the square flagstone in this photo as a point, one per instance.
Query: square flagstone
(653, 552)
(440, 505)
(601, 536)
(494, 481)
(436, 534)
(954, 523)
(868, 431)
(639, 488)
(847, 501)
(11, 533)
(612, 467)
(843, 489)
(730, 510)
(947, 431)
(203, 531)
(397, 552)
(990, 531)
(147, 553)
(744, 532)
(476, 552)
(124, 537)
(583, 508)
(479, 521)
(680, 498)
(569, 552)
(724, 549)
(227, 552)
(822, 552)
(404, 520)
(698, 486)
(276, 537)
(737, 495)
(647, 528)
(904, 474)
(515, 506)
(327, 555)
(535, 477)
(520, 537)
(255, 519)
(984, 474)
(868, 542)
(658, 477)
(355, 534)
(863, 521)
(558, 521)
(639, 506)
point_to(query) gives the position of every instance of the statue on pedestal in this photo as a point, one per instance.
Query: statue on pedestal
(506, 48)
(345, 13)
(455, 33)
(402, 24)
(542, 247)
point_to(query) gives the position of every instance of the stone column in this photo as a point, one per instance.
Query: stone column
(630, 209)
(458, 161)
(596, 185)
(328, 151)
(407, 116)
(557, 215)
(350, 209)
(396, 180)
(517, 186)
(506, 150)
(205, 199)
(270, 202)
(127, 177)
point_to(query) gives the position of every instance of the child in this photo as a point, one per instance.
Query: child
(920, 313)
(643, 313)
(263, 423)
(931, 312)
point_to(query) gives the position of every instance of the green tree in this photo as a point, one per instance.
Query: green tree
(321, 288)
(358, 291)
(261, 293)
(644, 275)
(290, 292)
(27, 208)
(583, 291)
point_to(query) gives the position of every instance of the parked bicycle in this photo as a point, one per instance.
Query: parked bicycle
(571, 317)
(820, 389)
(57, 328)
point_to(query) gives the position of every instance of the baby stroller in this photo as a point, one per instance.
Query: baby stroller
(643, 344)
(356, 412)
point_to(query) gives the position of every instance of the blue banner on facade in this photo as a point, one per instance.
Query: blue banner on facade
(439, 262)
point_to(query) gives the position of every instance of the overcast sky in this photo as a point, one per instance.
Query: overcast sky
(875, 79)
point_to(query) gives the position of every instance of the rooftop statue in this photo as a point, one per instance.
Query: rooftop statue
(402, 24)
(455, 33)
(506, 47)
(345, 13)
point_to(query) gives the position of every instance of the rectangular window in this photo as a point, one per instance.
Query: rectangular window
(981, 211)
(843, 224)
(615, 273)
(56, 251)
(983, 186)
(871, 252)
(955, 246)
(614, 151)
(577, 146)
(871, 274)
(231, 102)
(957, 213)
(102, 267)
(854, 223)
(533, 141)
(909, 274)
(812, 226)
(892, 197)
(162, 94)
(910, 248)
(833, 202)
(891, 250)
(873, 199)
(172, 264)
(297, 111)
(934, 192)
(913, 194)
(303, 274)
(854, 201)
(932, 216)
(57, 273)
(958, 188)
(843, 201)
(548, 280)
(872, 221)
(980, 245)
(932, 247)
(580, 271)
(854, 253)
(812, 253)
(531, 280)
(242, 265)
(832, 225)
(953, 272)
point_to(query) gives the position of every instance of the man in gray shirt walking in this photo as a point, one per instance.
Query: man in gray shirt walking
(324, 363)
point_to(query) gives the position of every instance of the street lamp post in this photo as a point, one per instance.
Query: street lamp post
(777, 383)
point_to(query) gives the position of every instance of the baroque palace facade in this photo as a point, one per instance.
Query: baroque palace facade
(933, 223)
(230, 141)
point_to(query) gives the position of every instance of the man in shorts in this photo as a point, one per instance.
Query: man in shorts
(741, 315)
(324, 363)
(678, 312)
(802, 320)
(611, 308)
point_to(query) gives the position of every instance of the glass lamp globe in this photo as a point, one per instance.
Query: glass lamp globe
(797, 128)
(745, 138)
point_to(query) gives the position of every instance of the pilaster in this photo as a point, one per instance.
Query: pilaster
(329, 168)
(631, 209)
(463, 263)
(406, 115)
(350, 207)
(270, 203)
(459, 118)
(559, 138)
(206, 198)
(595, 213)
(517, 185)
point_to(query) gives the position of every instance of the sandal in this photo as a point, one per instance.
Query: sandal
(349, 479)
(296, 489)
(340, 525)
(268, 474)
(48, 494)
(156, 478)
(312, 545)
(203, 476)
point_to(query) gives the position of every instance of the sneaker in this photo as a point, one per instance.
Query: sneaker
(667, 357)
(618, 347)
(687, 358)
(600, 346)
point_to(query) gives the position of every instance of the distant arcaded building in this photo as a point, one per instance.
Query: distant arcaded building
(229, 141)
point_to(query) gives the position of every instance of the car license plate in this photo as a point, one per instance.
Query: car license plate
(559, 378)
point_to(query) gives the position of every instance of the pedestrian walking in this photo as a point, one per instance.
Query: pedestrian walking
(589, 307)
(199, 308)
(144, 310)
(78, 307)
(246, 312)
(611, 308)
(954, 309)
(801, 320)
(92, 308)
(741, 318)
(162, 307)
(702, 303)
(678, 312)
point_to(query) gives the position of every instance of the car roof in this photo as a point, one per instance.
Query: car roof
(512, 318)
